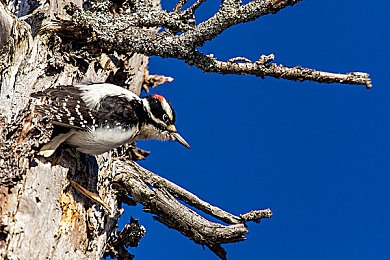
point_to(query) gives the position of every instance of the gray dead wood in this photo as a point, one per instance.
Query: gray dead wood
(182, 36)
(41, 215)
(162, 198)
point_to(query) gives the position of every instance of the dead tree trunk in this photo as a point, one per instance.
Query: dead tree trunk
(41, 215)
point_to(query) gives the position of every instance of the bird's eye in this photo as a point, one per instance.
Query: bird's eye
(166, 118)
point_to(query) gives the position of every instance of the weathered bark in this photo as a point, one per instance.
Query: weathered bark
(41, 215)
(160, 197)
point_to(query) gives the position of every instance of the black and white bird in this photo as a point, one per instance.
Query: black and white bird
(100, 117)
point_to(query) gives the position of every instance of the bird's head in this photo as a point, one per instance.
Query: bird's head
(160, 121)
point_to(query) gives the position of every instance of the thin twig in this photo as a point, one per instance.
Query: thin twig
(189, 12)
(231, 13)
(92, 196)
(179, 6)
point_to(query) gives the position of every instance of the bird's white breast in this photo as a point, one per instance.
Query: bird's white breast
(102, 139)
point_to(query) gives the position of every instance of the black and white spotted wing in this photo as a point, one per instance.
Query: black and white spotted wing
(65, 106)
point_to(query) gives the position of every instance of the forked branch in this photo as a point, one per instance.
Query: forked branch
(161, 197)
(136, 32)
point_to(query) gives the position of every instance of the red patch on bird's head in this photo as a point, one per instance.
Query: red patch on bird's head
(159, 97)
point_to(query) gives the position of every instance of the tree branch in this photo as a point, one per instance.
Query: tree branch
(160, 197)
(189, 12)
(262, 68)
(179, 6)
(128, 33)
(232, 13)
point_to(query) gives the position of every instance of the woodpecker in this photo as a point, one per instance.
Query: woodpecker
(100, 117)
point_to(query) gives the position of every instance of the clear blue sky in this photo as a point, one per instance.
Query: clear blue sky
(318, 155)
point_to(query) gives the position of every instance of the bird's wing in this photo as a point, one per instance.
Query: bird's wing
(59, 105)
(65, 107)
(120, 111)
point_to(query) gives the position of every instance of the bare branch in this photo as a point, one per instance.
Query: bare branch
(186, 196)
(128, 33)
(154, 80)
(151, 18)
(158, 197)
(232, 13)
(179, 6)
(256, 215)
(189, 12)
(262, 68)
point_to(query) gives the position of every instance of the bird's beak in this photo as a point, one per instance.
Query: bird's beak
(177, 137)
